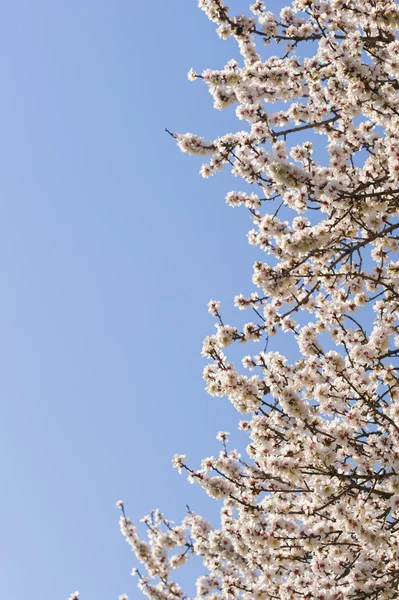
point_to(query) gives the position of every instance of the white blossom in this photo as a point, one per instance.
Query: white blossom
(311, 508)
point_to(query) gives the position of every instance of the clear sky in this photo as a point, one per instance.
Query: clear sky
(111, 245)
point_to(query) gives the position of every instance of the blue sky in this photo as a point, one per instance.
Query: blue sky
(111, 245)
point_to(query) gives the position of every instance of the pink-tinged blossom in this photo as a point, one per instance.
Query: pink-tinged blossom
(310, 509)
(213, 307)
(178, 461)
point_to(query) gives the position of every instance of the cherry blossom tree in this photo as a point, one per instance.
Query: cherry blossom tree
(311, 509)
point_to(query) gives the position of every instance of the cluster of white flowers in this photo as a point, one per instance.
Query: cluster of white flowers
(312, 510)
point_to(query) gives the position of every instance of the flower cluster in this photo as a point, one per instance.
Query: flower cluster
(311, 509)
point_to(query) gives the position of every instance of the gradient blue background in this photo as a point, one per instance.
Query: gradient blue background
(111, 245)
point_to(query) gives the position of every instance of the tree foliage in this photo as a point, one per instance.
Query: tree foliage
(311, 511)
